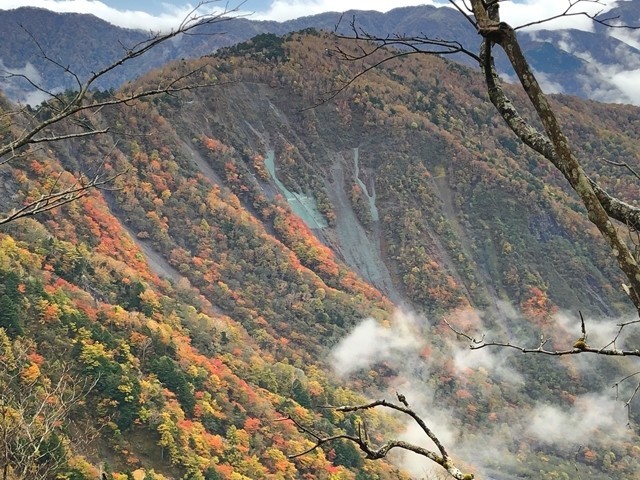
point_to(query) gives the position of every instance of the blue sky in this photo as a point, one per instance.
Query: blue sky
(166, 14)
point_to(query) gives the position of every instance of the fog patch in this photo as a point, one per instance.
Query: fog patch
(439, 422)
(17, 83)
(548, 86)
(614, 83)
(399, 343)
(628, 36)
(565, 43)
(402, 345)
(371, 342)
(493, 362)
(600, 332)
(590, 417)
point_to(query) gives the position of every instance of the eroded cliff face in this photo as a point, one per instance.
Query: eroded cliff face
(430, 204)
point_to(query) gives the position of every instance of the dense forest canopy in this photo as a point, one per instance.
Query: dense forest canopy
(171, 324)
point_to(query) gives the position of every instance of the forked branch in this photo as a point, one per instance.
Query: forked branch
(373, 452)
(55, 198)
(65, 108)
(580, 345)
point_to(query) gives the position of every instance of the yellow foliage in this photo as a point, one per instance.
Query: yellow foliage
(342, 474)
(6, 352)
(49, 312)
(150, 298)
(139, 474)
(81, 464)
(92, 354)
(30, 374)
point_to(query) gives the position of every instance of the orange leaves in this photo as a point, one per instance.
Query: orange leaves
(538, 307)
(37, 167)
(49, 312)
(30, 374)
(231, 173)
(463, 394)
(590, 456)
(309, 250)
(225, 471)
(252, 425)
(215, 443)
(214, 145)
(35, 358)
(258, 165)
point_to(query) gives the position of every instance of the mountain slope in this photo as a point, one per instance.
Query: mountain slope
(412, 190)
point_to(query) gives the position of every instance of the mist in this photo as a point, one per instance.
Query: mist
(573, 422)
(590, 416)
(14, 84)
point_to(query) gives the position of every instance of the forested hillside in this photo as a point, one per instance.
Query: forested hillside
(258, 259)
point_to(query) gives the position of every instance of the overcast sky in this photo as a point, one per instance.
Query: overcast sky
(163, 15)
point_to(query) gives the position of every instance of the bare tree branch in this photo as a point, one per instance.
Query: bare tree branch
(568, 13)
(81, 100)
(26, 127)
(554, 145)
(391, 47)
(580, 346)
(441, 457)
(32, 413)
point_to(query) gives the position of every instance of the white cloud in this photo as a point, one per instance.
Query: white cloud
(135, 19)
(631, 37)
(515, 13)
(399, 344)
(371, 342)
(600, 332)
(589, 417)
(533, 10)
(438, 421)
(288, 9)
(628, 82)
(615, 80)
(494, 363)
(548, 86)
(14, 84)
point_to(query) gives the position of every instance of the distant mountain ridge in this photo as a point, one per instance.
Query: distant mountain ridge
(594, 65)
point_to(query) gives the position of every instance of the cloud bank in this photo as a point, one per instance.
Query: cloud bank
(370, 343)
(14, 85)
(402, 345)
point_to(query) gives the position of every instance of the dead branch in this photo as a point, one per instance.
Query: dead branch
(372, 452)
(26, 128)
(32, 444)
(391, 47)
(82, 101)
(580, 346)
